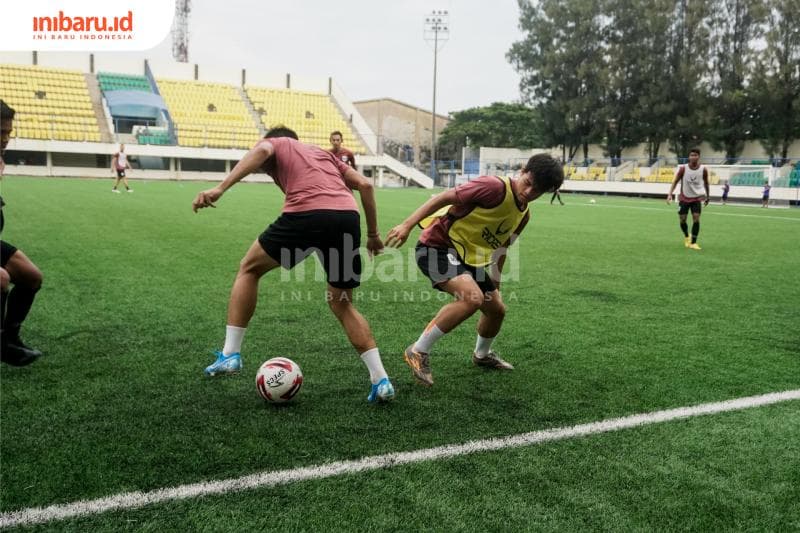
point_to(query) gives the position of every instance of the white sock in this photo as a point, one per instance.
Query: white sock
(426, 341)
(233, 340)
(372, 358)
(483, 346)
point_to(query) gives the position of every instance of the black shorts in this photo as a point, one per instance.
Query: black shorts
(335, 236)
(6, 251)
(120, 173)
(685, 207)
(443, 264)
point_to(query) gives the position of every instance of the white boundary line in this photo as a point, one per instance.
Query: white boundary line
(131, 500)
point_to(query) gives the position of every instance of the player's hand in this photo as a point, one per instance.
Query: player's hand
(374, 246)
(397, 236)
(669, 198)
(706, 202)
(206, 199)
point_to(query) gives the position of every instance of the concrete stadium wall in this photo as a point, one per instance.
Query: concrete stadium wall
(661, 189)
(752, 150)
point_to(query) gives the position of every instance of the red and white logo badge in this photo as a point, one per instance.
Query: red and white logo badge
(86, 25)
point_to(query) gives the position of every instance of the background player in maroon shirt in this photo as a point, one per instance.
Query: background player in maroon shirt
(341, 153)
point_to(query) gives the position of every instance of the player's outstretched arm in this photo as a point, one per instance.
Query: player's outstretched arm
(251, 162)
(398, 235)
(708, 187)
(359, 183)
(678, 178)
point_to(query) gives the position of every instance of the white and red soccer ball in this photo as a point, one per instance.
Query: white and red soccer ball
(279, 380)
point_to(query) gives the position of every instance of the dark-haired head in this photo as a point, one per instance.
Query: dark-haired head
(694, 151)
(547, 172)
(6, 111)
(281, 131)
(6, 124)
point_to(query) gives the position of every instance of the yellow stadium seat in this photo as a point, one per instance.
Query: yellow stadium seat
(289, 108)
(65, 96)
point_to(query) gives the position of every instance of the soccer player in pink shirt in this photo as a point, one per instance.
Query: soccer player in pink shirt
(319, 216)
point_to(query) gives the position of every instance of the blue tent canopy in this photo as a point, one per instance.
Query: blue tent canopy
(137, 104)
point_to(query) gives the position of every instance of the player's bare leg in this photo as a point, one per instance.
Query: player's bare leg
(360, 336)
(241, 306)
(468, 299)
(493, 312)
(244, 293)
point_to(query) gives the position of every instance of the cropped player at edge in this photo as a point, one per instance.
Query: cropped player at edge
(462, 250)
(319, 216)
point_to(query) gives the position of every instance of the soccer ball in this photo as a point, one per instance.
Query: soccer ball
(278, 380)
(592, 201)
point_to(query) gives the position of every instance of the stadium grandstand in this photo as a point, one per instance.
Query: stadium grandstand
(313, 115)
(72, 113)
(51, 103)
(178, 124)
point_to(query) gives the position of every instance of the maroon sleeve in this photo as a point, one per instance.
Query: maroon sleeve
(341, 165)
(485, 192)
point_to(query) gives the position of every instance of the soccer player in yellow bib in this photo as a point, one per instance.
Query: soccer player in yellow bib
(462, 249)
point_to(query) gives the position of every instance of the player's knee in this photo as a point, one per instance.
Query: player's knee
(498, 310)
(472, 300)
(340, 303)
(5, 279)
(248, 267)
(35, 279)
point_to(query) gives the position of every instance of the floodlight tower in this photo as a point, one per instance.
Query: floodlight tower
(180, 31)
(436, 31)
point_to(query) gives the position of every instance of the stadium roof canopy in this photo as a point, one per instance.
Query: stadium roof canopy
(138, 104)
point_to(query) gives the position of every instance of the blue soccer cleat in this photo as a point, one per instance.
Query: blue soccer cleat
(231, 364)
(382, 391)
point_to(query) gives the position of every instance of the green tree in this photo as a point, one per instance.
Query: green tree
(688, 50)
(561, 63)
(735, 26)
(630, 47)
(501, 125)
(653, 108)
(776, 83)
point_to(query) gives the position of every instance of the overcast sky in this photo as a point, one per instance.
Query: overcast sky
(372, 48)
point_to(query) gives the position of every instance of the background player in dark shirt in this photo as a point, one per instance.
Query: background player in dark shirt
(341, 153)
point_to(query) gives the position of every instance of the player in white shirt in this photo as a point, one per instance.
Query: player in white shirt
(119, 162)
(694, 190)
